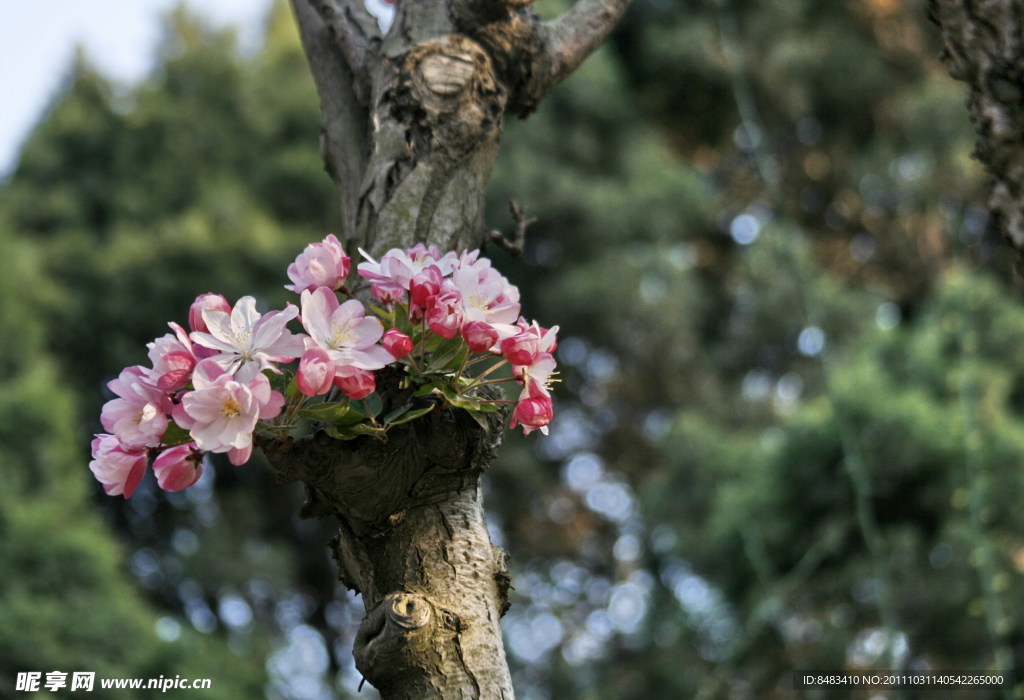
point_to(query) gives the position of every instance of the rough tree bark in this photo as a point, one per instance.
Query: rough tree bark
(410, 132)
(984, 47)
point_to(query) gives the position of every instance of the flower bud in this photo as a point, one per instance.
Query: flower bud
(424, 285)
(357, 383)
(533, 413)
(520, 349)
(319, 265)
(315, 373)
(118, 468)
(178, 467)
(445, 314)
(397, 343)
(480, 336)
(206, 301)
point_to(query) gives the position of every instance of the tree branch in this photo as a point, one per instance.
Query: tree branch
(344, 119)
(569, 39)
(356, 34)
(523, 222)
(532, 56)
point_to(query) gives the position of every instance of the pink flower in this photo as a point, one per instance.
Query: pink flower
(222, 412)
(118, 468)
(480, 336)
(343, 330)
(172, 360)
(140, 416)
(397, 343)
(533, 414)
(390, 278)
(206, 301)
(536, 376)
(319, 265)
(178, 468)
(356, 383)
(445, 314)
(315, 373)
(425, 284)
(523, 348)
(486, 295)
(247, 342)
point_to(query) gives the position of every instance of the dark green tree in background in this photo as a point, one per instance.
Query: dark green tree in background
(790, 429)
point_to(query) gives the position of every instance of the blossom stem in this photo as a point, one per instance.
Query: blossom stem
(477, 380)
(488, 356)
(366, 407)
(458, 375)
(490, 381)
(423, 339)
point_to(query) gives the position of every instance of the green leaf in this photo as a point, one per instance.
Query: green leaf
(470, 402)
(401, 319)
(175, 435)
(405, 413)
(392, 415)
(424, 390)
(293, 394)
(370, 407)
(448, 354)
(280, 382)
(326, 412)
(450, 395)
(480, 419)
(412, 415)
(340, 433)
(383, 314)
(365, 429)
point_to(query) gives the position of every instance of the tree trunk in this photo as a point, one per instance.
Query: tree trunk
(984, 47)
(410, 132)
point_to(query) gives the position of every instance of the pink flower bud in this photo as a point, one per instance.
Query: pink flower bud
(319, 265)
(357, 383)
(118, 468)
(424, 285)
(445, 314)
(480, 336)
(521, 349)
(206, 301)
(315, 373)
(533, 413)
(178, 467)
(397, 343)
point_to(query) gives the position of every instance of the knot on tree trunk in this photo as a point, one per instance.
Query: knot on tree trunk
(405, 632)
(449, 81)
(437, 119)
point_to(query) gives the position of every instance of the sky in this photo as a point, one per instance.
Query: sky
(38, 39)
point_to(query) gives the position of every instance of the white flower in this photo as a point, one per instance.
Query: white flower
(249, 343)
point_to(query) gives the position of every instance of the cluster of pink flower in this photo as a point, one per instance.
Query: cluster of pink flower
(207, 390)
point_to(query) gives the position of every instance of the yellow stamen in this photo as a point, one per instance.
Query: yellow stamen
(231, 408)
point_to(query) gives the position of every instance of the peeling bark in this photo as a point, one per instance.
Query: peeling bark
(410, 133)
(984, 40)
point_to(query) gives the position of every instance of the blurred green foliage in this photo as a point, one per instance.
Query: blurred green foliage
(789, 432)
